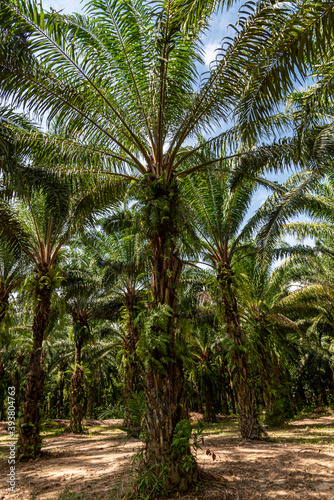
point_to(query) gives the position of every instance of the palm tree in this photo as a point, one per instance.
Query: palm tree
(122, 89)
(220, 210)
(102, 358)
(15, 347)
(41, 224)
(307, 266)
(82, 335)
(316, 281)
(197, 319)
(82, 290)
(205, 364)
(12, 274)
(269, 315)
(46, 234)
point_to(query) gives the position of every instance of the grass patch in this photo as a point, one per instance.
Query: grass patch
(52, 433)
(71, 495)
(3, 453)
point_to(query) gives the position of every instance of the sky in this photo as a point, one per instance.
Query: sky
(64, 5)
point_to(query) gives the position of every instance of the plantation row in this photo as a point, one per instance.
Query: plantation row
(137, 279)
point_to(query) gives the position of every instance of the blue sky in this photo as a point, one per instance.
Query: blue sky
(65, 5)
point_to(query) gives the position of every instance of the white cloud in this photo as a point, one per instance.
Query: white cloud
(66, 6)
(210, 52)
(218, 30)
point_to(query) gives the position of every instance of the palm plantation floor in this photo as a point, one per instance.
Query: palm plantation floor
(297, 463)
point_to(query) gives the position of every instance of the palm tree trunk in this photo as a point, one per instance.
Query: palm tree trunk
(3, 394)
(90, 399)
(4, 299)
(60, 406)
(29, 440)
(77, 393)
(223, 396)
(165, 380)
(231, 390)
(250, 427)
(199, 397)
(210, 407)
(273, 387)
(17, 385)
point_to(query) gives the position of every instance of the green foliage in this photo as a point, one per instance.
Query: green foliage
(181, 437)
(121, 91)
(51, 281)
(115, 412)
(136, 410)
(71, 495)
(185, 436)
(159, 200)
(154, 336)
(81, 333)
(147, 482)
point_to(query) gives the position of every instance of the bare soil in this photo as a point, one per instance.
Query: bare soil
(297, 463)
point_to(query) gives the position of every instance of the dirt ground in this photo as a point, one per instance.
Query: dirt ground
(297, 463)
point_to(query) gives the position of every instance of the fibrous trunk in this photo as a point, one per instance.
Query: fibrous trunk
(29, 441)
(275, 391)
(4, 300)
(210, 408)
(132, 382)
(165, 380)
(250, 427)
(90, 399)
(17, 381)
(3, 393)
(223, 396)
(60, 406)
(77, 393)
(231, 391)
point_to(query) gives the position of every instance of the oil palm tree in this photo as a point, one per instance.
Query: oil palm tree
(120, 254)
(15, 347)
(82, 290)
(206, 366)
(220, 210)
(12, 273)
(220, 205)
(269, 314)
(120, 84)
(309, 308)
(316, 280)
(80, 309)
(197, 319)
(41, 223)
